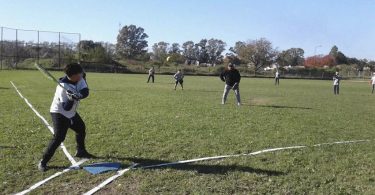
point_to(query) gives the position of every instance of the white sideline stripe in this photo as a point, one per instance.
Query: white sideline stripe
(109, 180)
(36, 185)
(71, 159)
(221, 157)
(343, 142)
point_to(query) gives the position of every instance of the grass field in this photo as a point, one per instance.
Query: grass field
(131, 121)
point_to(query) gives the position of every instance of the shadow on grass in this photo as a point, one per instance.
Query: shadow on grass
(200, 168)
(4, 88)
(287, 107)
(106, 90)
(207, 91)
(8, 147)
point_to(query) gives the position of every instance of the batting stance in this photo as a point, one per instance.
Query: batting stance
(232, 78)
(64, 114)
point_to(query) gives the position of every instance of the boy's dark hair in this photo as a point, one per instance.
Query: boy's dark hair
(72, 69)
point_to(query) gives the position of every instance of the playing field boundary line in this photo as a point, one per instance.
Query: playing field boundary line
(109, 180)
(40, 183)
(67, 154)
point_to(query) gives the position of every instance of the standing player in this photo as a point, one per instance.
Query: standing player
(151, 74)
(64, 114)
(372, 82)
(232, 79)
(277, 78)
(179, 77)
(336, 83)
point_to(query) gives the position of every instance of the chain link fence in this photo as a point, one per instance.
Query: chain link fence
(21, 48)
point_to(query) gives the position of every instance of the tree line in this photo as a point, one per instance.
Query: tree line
(132, 44)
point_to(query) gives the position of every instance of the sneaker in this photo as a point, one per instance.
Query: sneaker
(238, 104)
(42, 167)
(84, 154)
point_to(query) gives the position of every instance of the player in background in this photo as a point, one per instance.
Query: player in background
(179, 77)
(151, 75)
(336, 83)
(277, 78)
(372, 82)
(232, 78)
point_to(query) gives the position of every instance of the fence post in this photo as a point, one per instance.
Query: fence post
(16, 49)
(59, 51)
(2, 49)
(38, 49)
(79, 48)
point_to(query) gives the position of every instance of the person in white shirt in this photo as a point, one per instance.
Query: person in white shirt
(277, 78)
(179, 77)
(64, 113)
(151, 75)
(336, 83)
(372, 81)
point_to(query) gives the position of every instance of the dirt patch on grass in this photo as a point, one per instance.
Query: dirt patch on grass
(259, 101)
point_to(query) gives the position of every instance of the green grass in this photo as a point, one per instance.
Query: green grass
(131, 121)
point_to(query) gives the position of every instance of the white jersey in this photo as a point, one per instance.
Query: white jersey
(151, 71)
(373, 80)
(336, 80)
(62, 97)
(178, 76)
(277, 75)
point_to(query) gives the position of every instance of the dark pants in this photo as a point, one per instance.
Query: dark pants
(336, 89)
(61, 124)
(373, 88)
(181, 83)
(277, 81)
(149, 77)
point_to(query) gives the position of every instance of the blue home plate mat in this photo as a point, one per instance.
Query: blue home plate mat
(98, 168)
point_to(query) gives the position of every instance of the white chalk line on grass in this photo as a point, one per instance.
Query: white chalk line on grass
(67, 154)
(221, 157)
(109, 180)
(40, 183)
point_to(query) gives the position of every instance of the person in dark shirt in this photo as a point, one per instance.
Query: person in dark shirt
(232, 79)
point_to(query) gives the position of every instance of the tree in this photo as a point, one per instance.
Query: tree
(232, 58)
(160, 51)
(188, 51)
(258, 52)
(93, 51)
(292, 57)
(215, 48)
(319, 61)
(334, 51)
(131, 42)
(340, 58)
(371, 65)
(201, 51)
(175, 48)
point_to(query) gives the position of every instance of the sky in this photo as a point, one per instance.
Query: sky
(314, 25)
